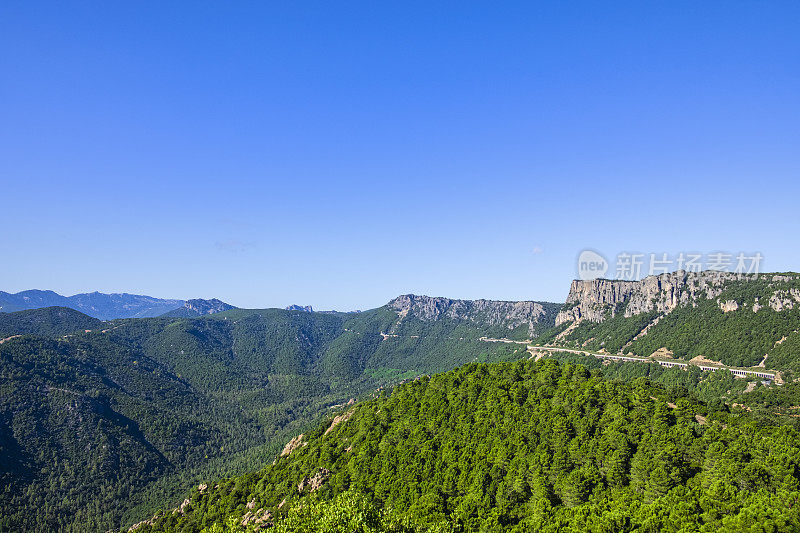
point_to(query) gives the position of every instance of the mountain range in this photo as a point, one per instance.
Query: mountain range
(104, 422)
(109, 306)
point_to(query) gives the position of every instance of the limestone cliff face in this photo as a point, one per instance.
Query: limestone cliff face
(594, 300)
(483, 312)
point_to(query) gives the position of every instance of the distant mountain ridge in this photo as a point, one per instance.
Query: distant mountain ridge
(295, 307)
(535, 316)
(198, 307)
(107, 306)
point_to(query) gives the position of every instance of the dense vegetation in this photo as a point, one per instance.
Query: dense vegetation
(99, 428)
(49, 322)
(715, 388)
(521, 446)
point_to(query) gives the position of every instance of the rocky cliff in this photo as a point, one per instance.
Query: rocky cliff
(597, 300)
(484, 312)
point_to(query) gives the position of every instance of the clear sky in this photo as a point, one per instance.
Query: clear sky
(341, 153)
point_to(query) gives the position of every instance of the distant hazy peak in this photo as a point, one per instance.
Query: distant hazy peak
(108, 306)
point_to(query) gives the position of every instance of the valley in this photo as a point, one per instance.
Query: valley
(126, 414)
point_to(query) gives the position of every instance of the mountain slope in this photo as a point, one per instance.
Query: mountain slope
(516, 447)
(47, 322)
(188, 398)
(82, 423)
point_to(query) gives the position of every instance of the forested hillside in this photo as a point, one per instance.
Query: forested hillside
(96, 304)
(715, 388)
(99, 427)
(517, 447)
(48, 322)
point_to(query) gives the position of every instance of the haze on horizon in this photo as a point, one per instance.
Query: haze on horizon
(335, 156)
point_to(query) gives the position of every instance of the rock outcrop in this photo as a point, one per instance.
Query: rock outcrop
(292, 445)
(314, 482)
(338, 419)
(259, 519)
(784, 299)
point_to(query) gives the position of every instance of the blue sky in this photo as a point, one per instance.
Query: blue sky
(340, 154)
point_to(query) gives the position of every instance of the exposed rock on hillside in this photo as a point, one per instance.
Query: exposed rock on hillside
(292, 445)
(259, 519)
(314, 482)
(344, 417)
(485, 312)
(784, 299)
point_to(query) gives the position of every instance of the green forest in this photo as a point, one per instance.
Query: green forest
(522, 446)
(99, 428)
